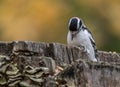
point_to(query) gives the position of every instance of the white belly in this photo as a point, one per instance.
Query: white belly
(82, 39)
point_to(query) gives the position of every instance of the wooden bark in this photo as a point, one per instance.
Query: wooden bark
(39, 64)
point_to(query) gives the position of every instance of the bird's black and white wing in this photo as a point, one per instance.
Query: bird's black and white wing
(93, 43)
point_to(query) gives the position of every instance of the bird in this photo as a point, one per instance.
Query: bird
(80, 35)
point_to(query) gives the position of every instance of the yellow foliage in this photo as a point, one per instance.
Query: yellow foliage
(46, 20)
(25, 20)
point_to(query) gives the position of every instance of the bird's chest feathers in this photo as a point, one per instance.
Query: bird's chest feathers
(78, 38)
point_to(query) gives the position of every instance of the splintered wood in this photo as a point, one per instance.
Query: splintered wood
(39, 64)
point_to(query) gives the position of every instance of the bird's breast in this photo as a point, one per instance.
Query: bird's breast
(78, 39)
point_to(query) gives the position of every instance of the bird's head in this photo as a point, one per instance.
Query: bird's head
(75, 24)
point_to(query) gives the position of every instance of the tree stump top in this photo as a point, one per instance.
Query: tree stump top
(25, 63)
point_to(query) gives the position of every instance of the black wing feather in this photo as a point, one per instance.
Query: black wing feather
(92, 41)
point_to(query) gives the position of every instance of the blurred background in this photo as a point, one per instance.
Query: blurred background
(47, 20)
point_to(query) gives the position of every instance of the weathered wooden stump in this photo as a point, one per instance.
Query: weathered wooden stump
(39, 64)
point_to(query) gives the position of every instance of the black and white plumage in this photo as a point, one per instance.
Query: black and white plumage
(80, 35)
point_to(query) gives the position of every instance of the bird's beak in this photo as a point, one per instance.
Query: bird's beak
(73, 32)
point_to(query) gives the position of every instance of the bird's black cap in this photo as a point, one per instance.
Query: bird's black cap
(73, 24)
